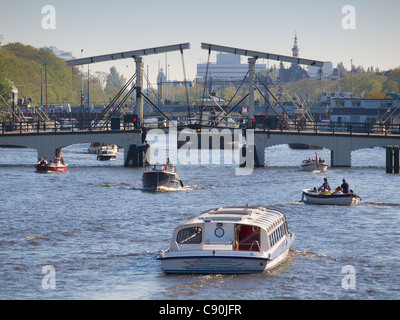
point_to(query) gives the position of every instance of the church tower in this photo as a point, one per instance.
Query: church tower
(295, 48)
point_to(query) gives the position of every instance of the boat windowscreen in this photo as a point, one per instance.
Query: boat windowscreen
(189, 236)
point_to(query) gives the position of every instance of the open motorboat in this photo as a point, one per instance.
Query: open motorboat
(314, 165)
(339, 199)
(51, 167)
(106, 155)
(159, 177)
(246, 239)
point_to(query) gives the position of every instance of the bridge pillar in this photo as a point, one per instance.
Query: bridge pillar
(260, 143)
(46, 147)
(341, 157)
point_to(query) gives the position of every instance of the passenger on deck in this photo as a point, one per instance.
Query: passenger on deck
(352, 192)
(345, 186)
(338, 190)
(327, 191)
(315, 190)
(324, 186)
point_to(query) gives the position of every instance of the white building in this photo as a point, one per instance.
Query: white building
(228, 67)
(327, 69)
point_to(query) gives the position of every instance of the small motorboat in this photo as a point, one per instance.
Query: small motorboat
(338, 199)
(107, 155)
(51, 167)
(314, 165)
(160, 177)
(249, 239)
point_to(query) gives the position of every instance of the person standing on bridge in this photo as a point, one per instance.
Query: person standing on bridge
(212, 117)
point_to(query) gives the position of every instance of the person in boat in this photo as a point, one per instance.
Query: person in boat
(44, 161)
(338, 190)
(324, 186)
(327, 191)
(345, 186)
(356, 195)
(315, 190)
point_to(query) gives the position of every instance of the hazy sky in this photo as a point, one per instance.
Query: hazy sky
(101, 27)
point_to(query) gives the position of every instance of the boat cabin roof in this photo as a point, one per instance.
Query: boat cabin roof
(262, 217)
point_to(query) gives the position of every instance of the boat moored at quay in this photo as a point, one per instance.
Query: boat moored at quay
(248, 239)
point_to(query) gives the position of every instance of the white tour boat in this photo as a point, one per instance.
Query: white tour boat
(341, 199)
(229, 240)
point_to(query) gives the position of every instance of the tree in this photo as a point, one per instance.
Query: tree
(114, 79)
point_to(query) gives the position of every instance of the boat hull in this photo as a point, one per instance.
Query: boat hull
(232, 262)
(106, 157)
(313, 167)
(334, 199)
(157, 180)
(51, 168)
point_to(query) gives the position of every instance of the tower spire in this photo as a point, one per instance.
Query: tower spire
(295, 48)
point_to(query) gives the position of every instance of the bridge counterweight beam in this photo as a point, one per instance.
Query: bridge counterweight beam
(139, 83)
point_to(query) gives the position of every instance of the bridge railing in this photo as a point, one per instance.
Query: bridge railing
(58, 126)
(218, 122)
(333, 127)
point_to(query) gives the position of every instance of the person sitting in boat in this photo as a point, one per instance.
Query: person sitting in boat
(324, 186)
(356, 195)
(338, 190)
(327, 191)
(315, 190)
(43, 161)
(345, 186)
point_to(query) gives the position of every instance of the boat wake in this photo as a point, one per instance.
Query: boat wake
(310, 254)
(383, 204)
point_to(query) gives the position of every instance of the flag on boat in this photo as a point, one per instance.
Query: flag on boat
(316, 160)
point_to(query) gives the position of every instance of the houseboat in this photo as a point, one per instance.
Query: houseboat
(248, 239)
(160, 177)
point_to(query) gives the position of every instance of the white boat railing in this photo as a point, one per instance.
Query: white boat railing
(255, 242)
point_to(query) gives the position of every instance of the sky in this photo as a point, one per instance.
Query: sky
(102, 27)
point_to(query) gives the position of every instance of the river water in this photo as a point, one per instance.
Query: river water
(97, 234)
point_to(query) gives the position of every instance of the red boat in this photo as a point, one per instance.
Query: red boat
(51, 167)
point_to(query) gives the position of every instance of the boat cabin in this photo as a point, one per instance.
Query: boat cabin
(231, 229)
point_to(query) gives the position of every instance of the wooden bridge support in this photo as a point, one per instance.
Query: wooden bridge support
(392, 159)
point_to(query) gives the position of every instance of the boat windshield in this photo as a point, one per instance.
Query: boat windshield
(160, 167)
(191, 235)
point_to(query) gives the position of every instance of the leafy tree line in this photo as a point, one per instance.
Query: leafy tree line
(24, 66)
